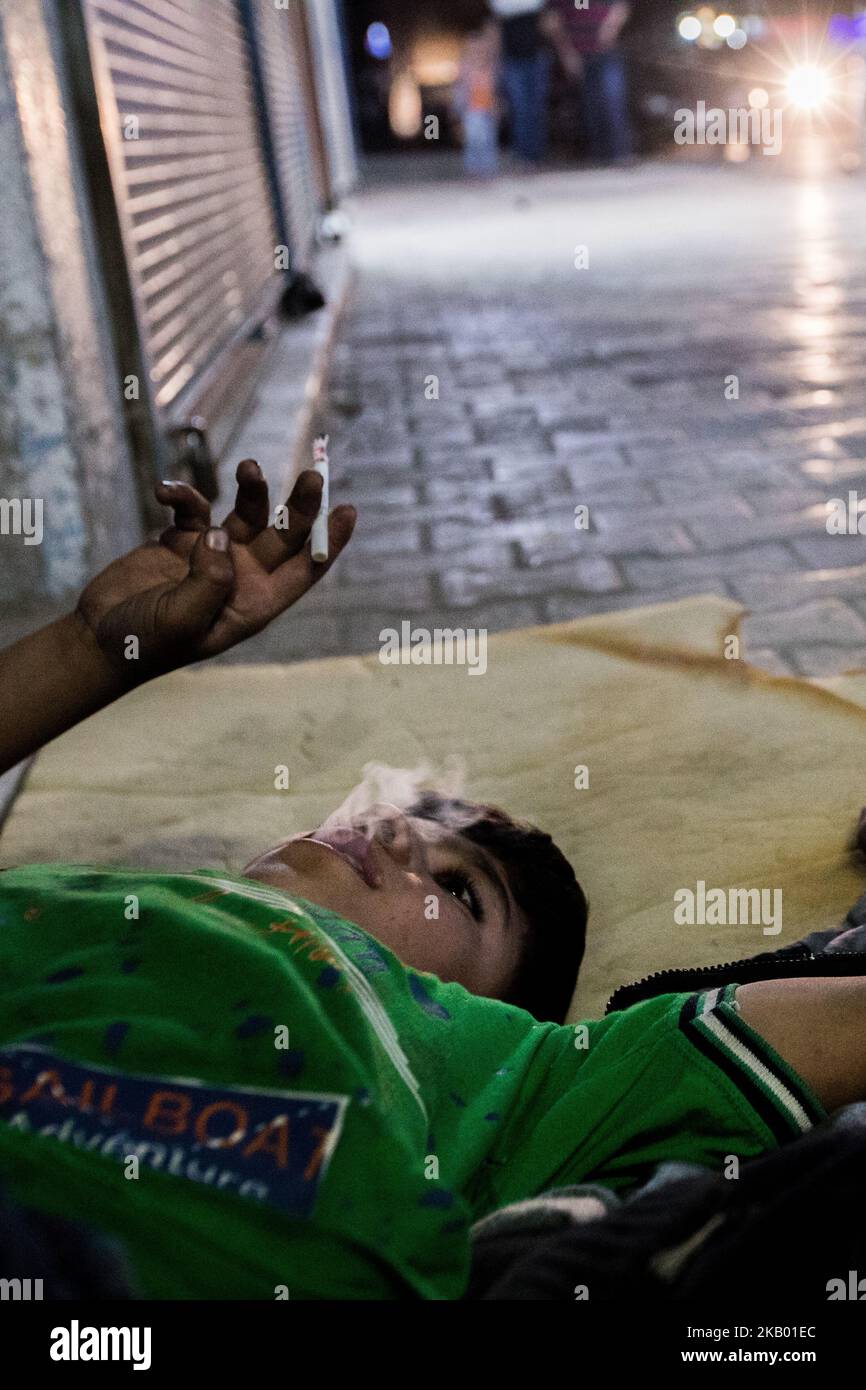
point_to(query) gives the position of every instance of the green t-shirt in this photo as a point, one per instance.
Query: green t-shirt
(259, 1099)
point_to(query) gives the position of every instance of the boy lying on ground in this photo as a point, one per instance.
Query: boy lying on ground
(298, 1081)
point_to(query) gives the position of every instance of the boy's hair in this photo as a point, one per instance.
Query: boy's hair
(545, 889)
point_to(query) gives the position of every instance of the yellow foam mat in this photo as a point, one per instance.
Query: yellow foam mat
(700, 768)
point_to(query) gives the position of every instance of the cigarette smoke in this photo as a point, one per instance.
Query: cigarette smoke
(386, 792)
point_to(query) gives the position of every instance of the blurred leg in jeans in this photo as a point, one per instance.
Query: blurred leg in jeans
(480, 153)
(527, 85)
(605, 104)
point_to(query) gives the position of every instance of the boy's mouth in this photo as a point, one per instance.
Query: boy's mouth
(352, 847)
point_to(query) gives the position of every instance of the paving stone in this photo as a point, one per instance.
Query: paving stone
(530, 440)
(768, 659)
(409, 596)
(607, 518)
(711, 491)
(604, 465)
(373, 538)
(822, 621)
(516, 495)
(822, 659)
(547, 548)
(578, 443)
(387, 441)
(835, 474)
(465, 587)
(651, 574)
(631, 497)
(374, 497)
(563, 607)
(531, 466)
(830, 552)
(725, 531)
(454, 463)
(455, 534)
(760, 591)
(481, 513)
(781, 499)
(366, 465)
(662, 463)
(488, 554)
(453, 437)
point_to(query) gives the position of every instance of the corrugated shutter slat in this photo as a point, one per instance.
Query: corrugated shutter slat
(333, 96)
(192, 190)
(288, 118)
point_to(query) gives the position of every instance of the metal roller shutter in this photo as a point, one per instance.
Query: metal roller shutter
(280, 60)
(326, 40)
(191, 187)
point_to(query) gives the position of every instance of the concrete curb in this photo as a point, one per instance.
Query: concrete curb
(316, 384)
(278, 427)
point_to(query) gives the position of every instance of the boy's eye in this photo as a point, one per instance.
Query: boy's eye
(461, 887)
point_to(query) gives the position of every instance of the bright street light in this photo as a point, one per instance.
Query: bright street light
(689, 27)
(808, 86)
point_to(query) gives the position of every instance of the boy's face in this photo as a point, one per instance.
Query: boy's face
(438, 901)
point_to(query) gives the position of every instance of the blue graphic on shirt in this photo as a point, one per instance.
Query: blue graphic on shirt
(360, 948)
(291, 1063)
(437, 1197)
(430, 1006)
(272, 1146)
(114, 1036)
(62, 977)
(252, 1026)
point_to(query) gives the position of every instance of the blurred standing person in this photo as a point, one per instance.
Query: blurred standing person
(526, 61)
(477, 102)
(587, 40)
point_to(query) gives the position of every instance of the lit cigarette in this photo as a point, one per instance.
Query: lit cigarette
(319, 541)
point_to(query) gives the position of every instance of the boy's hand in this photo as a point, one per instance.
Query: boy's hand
(199, 590)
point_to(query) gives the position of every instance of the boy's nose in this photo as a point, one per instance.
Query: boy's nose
(395, 834)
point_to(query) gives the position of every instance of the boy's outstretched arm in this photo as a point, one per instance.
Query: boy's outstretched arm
(818, 1027)
(195, 592)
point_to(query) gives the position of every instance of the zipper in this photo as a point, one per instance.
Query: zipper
(741, 972)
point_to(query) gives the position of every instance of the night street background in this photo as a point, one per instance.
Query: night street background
(603, 386)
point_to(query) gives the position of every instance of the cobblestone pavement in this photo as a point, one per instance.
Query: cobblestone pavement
(602, 386)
